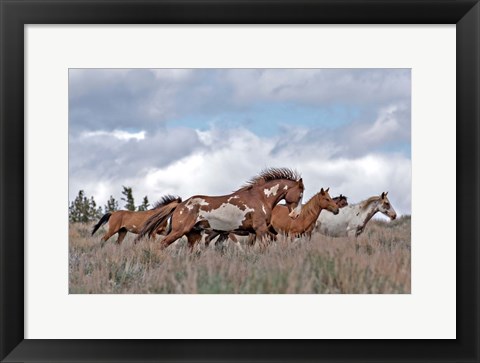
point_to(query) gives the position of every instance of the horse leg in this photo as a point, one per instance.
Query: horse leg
(251, 239)
(210, 236)
(223, 237)
(272, 236)
(121, 235)
(193, 237)
(352, 232)
(113, 227)
(170, 238)
(178, 229)
(272, 230)
(108, 234)
(236, 241)
(160, 230)
(261, 231)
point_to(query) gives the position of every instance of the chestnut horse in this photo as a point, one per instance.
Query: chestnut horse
(247, 209)
(340, 201)
(124, 221)
(305, 222)
(351, 220)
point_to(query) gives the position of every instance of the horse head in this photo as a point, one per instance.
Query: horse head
(341, 201)
(326, 202)
(385, 207)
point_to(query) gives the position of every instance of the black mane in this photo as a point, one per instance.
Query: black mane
(166, 199)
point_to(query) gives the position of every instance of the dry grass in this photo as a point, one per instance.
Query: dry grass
(377, 262)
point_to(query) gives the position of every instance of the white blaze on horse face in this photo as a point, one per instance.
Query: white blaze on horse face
(272, 191)
(263, 208)
(225, 218)
(194, 201)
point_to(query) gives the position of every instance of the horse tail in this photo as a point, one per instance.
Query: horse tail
(157, 220)
(101, 222)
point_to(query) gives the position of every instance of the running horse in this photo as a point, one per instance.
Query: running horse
(352, 220)
(305, 222)
(123, 221)
(248, 209)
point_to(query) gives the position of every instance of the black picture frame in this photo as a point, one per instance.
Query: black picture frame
(15, 14)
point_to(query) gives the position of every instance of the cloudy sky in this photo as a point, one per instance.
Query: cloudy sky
(207, 131)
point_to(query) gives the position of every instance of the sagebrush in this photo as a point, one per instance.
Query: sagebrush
(378, 261)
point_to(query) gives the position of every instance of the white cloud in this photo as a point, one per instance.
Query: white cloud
(148, 98)
(358, 86)
(385, 125)
(118, 134)
(175, 74)
(230, 159)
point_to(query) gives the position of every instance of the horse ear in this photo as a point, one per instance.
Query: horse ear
(386, 193)
(322, 191)
(326, 191)
(383, 195)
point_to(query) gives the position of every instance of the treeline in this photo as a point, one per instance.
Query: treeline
(84, 209)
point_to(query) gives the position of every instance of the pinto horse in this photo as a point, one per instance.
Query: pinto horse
(351, 220)
(305, 222)
(124, 221)
(247, 209)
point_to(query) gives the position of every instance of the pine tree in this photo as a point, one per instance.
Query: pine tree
(94, 212)
(144, 205)
(111, 206)
(83, 209)
(130, 203)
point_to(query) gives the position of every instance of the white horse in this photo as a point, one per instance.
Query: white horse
(352, 219)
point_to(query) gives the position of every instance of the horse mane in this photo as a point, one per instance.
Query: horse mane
(370, 200)
(308, 207)
(340, 197)
(166, 199)
(270, 174)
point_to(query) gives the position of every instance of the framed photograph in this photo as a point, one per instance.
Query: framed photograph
(239, 181)
(210, 123)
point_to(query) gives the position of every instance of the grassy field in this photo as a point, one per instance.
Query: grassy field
(376, 262)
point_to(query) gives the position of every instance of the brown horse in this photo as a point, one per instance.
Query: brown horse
(247, 209)
(305, 222)
(124, 221)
